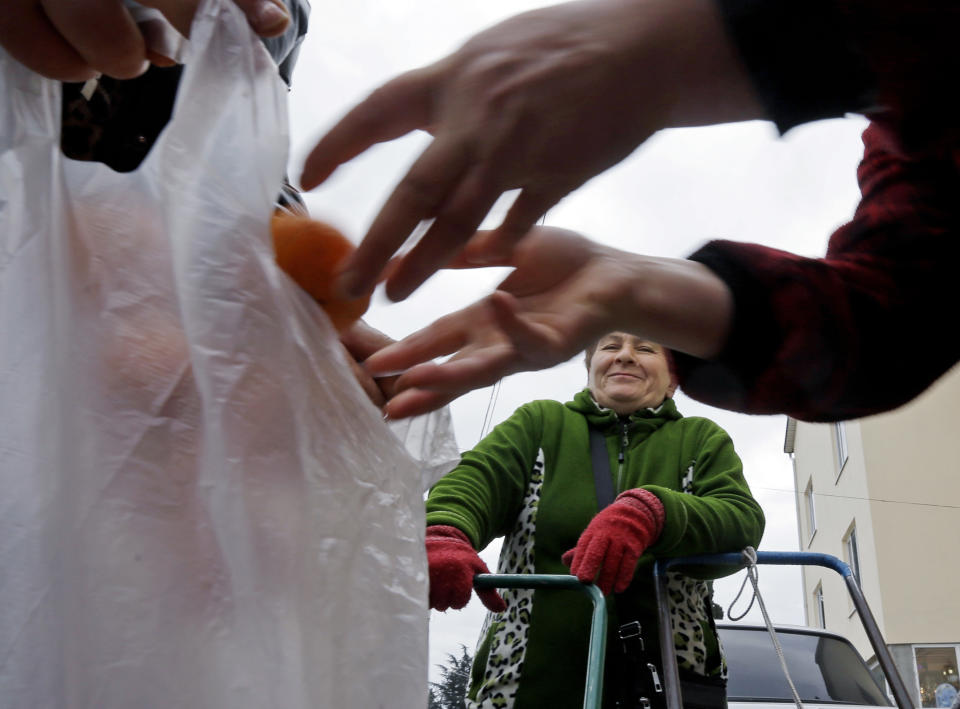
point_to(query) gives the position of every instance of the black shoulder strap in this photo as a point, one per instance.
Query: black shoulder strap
(602, 477)
(638, 681)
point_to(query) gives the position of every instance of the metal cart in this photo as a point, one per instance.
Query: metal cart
(596, 652)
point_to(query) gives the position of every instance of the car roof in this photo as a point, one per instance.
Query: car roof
(782, 628)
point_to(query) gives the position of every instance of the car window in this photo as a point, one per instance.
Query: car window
(824, 669)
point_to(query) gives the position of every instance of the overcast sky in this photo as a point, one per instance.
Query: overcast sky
(678, 190)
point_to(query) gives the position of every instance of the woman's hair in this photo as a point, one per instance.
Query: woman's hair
(588, 353)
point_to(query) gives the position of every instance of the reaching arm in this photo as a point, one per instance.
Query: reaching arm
(564, 293)
(816, 338)
(541, 102)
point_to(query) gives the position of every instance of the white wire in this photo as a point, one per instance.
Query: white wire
(491, 405)
(750, 557)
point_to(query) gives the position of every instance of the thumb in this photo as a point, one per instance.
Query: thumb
(568, 557)
(268, 18)
(492, 600)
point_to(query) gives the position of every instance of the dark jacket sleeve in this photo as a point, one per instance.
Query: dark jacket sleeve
(864, 329)
(813, 59)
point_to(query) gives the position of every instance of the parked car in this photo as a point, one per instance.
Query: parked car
(825, 668)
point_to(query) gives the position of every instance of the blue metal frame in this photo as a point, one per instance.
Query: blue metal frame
(778, 558)
(593, 691)
(596, 652)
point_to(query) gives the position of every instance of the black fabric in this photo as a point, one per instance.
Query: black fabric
(602, 476)
(120, 122)
(637, 674)
(638, 670)
(801, 57)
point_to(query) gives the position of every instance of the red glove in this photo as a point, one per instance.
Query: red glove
(453, 564)
(608, 550)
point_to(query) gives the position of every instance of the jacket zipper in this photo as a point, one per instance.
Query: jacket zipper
(624, 441)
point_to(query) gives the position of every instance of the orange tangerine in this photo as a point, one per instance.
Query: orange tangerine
(311, 253)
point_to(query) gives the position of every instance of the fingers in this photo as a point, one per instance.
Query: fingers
(492, 600)
(520, 219)
(396, 108)
(475, 254)
(607, 563)
(588, 557)
(453, 226)
(624, 574)
(530, 342)
(446, 335)
(444, 595)
(415, 402)
(32, 38)
(429, 386)
(603, 561)
(367, 383)
(362, 340)
(103, 33)
(268, 18)
(417, 197)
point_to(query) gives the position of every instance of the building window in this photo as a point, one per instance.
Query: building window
(840, 438)
(936, 674)
(818, 606)
(852, 553)
(811, 512)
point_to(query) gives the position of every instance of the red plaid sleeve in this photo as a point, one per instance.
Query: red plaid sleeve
(864, 329)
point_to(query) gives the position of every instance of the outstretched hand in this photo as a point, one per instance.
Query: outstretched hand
(71, 40)
(564, 293)
(541, 103)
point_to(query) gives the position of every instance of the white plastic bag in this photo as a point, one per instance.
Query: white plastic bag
(198, 506)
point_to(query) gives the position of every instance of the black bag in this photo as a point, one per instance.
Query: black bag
(637, 674)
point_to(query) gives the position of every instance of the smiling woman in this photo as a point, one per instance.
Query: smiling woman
(627, 373)
(535, 481)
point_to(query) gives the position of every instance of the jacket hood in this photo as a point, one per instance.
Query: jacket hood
(584, 403)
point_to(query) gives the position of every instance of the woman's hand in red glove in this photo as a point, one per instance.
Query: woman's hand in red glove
(453, 563)
(609, 548)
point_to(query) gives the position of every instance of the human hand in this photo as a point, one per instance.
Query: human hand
(541, 102)
(609, 548)
(453, 563)
(360, 341)
(565, 292)
(70, 40)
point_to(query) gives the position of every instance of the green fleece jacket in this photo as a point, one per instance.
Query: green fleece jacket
(531, 481)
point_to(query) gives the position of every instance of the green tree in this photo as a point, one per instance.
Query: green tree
(451, 690)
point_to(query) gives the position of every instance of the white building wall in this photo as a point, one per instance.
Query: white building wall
(900, 487)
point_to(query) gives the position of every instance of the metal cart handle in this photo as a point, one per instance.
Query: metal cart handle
(779, 558)
(593, 690)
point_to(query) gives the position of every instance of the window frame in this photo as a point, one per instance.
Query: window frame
(841, 449)
(851, 550)
(808, 502)
(916, 669)
(820, 605)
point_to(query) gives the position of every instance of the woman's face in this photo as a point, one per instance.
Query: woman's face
(627, 373)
